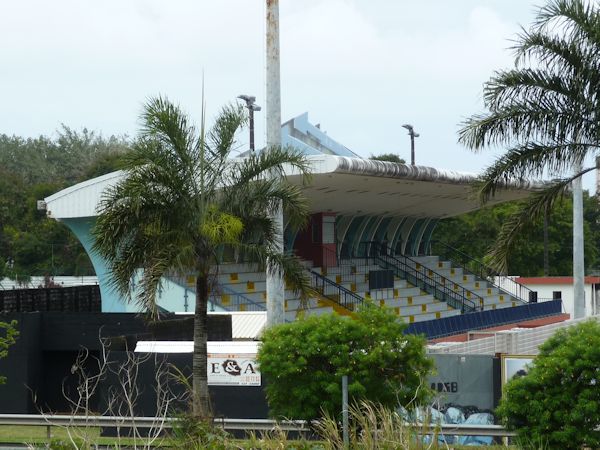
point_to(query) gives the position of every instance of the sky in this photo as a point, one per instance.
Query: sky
(361, 68)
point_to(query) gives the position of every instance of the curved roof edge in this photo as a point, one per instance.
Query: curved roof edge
(102, 179)
(387, 169)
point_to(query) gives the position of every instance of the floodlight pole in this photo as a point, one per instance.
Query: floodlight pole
(579, 303)
(275, 285)
(413, 135)
(250, 99)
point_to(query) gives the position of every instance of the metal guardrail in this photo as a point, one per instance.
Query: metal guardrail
(232, 424)
(479, 269)
(335, 292)
(352, 273)
(427, 280)
(236, 298)
(60, 299)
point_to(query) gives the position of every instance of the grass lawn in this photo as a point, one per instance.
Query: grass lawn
(31, 434)
(26, 434)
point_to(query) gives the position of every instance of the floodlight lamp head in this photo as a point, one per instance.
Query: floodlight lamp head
(416, 134)
(247, 98)
(407, 126)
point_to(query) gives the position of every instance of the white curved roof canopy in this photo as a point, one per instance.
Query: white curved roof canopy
(343, 185)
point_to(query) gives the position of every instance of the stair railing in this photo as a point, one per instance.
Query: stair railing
(348, 272)
(484, 272)
(236, 299)
(427, 280)
(334, 292)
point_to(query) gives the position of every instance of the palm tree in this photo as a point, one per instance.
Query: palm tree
(546, 110)
(182, 200)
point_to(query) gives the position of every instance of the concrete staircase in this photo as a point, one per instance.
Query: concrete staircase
(250, 282)
(242, 287)
(491, 296)
(404, 299)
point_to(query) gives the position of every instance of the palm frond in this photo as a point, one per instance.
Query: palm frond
(221, 136)
(181, 200)
(534, 85)
(578, 19)
(266, 195)
(520, 123)
(273, 162)
(531, 210)
(168, 124)
(556, 54)
(531, 160)
(295, 275)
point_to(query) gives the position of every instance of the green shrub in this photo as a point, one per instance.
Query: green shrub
(557, 404)
(304, 361)
(191, 433)
(8, 336)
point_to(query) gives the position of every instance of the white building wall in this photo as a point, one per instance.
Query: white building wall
(545, 292)
(517, 341)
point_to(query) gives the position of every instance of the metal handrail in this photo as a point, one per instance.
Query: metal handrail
(348, 272)
(431, 282)
(336, 293)
(480, 269)
(238, 297)
(231, 424)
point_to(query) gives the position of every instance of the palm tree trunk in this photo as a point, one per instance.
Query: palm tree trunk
(200, 398)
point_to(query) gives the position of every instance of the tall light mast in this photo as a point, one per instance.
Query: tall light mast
(579, 300)
(275, 284)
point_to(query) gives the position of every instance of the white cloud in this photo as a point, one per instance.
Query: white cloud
(360, 67)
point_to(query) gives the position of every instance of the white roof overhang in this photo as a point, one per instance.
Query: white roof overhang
(339, 184)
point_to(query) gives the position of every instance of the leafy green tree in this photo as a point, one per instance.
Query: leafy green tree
(304, 361)
(8, 336)
(182, 200)
(472, 233)
(545, 110)
(557, 404)
(391, 157)
(31, 169)
(103, 164)
(64, 160)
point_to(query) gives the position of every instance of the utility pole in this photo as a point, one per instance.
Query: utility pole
(250, 99)
(546, 255)
(413, 135)
(275, 285)
(579, 303)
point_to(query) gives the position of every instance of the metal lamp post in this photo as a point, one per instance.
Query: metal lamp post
(250, 99)
(413, 135)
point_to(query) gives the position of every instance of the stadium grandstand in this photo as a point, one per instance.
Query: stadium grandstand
(368, 239)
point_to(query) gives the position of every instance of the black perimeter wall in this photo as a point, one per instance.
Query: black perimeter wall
(39, 365)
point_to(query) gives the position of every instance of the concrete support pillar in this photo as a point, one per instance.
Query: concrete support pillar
(275, 284)
(579, 309)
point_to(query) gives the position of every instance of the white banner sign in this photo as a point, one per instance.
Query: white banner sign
(238, 369)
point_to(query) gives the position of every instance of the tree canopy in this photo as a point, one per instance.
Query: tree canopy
(473, 234)
(304, 361)
(182, 200)
(544, 110)
(391, 157)
(557, 404)
(31, 169)
(8, 336)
